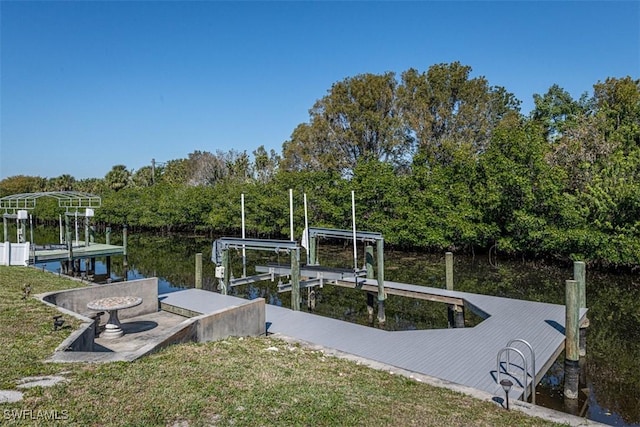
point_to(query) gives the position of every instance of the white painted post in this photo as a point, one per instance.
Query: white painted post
(291, 213)
(244, 249)
(355, 243)
(306, 225)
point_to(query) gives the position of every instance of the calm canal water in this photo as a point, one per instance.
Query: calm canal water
(610, 380)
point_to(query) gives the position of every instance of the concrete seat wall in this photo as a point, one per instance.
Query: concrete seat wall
(76, 299)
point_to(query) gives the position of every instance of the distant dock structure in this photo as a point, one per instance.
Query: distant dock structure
(77, 210)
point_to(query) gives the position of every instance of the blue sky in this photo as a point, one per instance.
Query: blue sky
(88, 85)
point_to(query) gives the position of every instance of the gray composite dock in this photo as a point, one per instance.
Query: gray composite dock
(465, 356)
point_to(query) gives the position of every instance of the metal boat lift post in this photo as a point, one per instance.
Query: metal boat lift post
(220, 256)
(365, 236)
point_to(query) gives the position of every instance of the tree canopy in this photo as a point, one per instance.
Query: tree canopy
(438, 159)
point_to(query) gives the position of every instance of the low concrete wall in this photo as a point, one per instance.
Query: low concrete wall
(81, 339)
(239, 321)
(76, 299)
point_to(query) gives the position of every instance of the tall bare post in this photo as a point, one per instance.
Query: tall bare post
(295, 279)
(580, 276)
(198, 283)
(572, 348)
(382, 296)
(6, 229)
(244, 249)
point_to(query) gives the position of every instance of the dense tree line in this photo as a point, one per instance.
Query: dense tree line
(437, 159)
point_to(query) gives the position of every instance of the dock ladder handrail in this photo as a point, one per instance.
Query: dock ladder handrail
(525, 371)
(533, 365)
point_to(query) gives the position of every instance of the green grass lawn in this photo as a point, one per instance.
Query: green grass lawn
(238, 381)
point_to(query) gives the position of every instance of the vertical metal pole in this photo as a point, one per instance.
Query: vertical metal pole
(295, 279)
(355, 242)
(31, 228)
(86, 230)
(244, 249)
(291, 214)
(306, 224)
(198, 283)
(6, 228)
(61, 234)
(381, 294)
(108, 236)
(572, 348)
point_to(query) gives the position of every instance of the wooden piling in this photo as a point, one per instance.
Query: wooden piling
(227, 271)
(455, 313)
(313, 254)
(572, 334)
(382, 296)
(370, 275)
(69, 266)
(295, 279)
(198, 283)
(579, 275)
(448, 261)
(125, 260)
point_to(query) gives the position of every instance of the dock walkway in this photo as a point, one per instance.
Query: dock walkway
(95, 250)
(465, 356)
